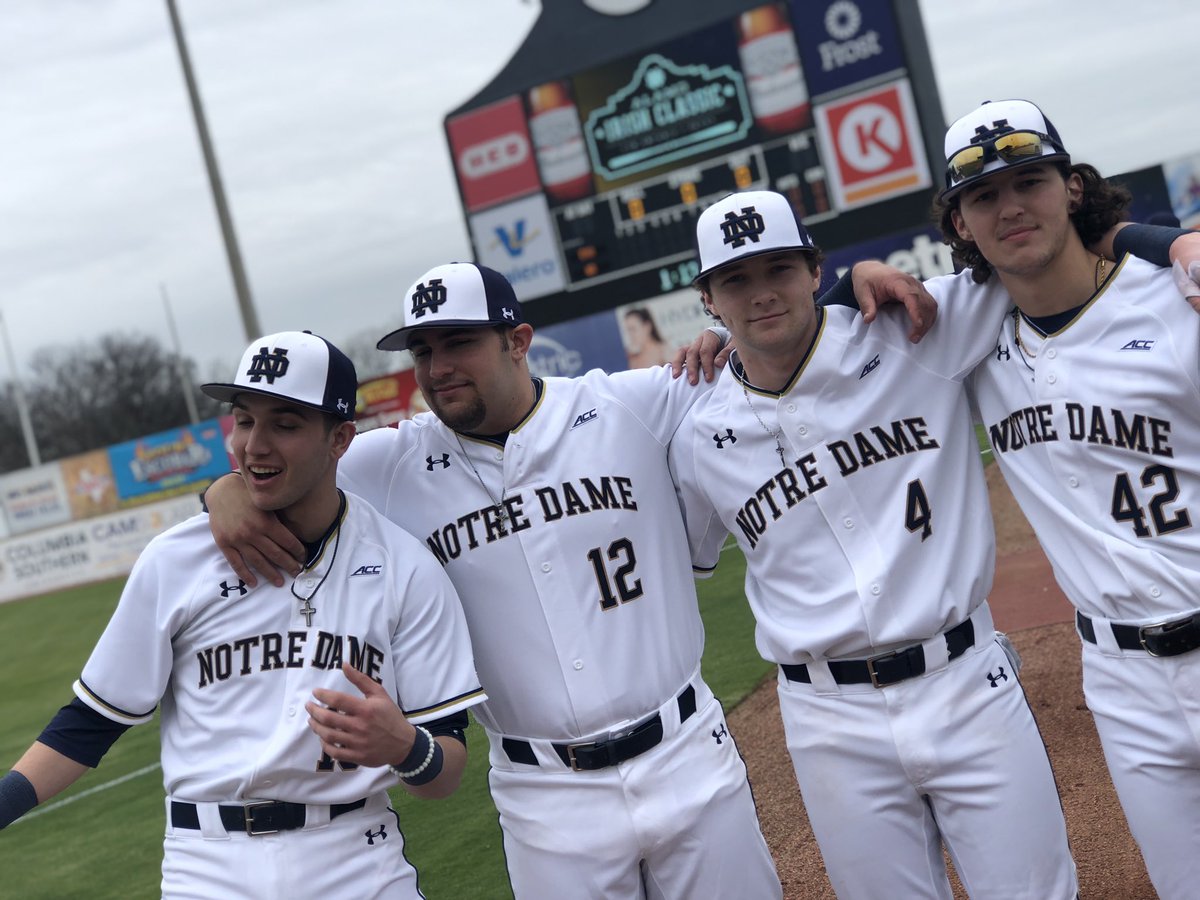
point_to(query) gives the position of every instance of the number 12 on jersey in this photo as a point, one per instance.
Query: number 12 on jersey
(619, 587)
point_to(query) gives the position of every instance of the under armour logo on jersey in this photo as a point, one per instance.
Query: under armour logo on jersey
(371, 835)
(728, 436)
(428, 297)
(717, 735)
(1139, 345)
(738, 228)
(1002, 352)
(240, 587)
(996, 679)
(870, 367)
(366, 570)
(430, 462)
(268, 365)
(585, 417)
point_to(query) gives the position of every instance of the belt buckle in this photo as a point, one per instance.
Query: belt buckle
(248, 815)
(871, 666)
(1161, 629)
(571, 760)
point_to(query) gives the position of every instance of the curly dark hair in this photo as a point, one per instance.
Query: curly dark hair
(1101, 206)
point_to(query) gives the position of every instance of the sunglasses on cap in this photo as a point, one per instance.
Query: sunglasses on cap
(1013, 147)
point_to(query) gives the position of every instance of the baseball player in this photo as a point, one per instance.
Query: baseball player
(842, 459)
(549, 502)
(369, 637)
(1091, 400)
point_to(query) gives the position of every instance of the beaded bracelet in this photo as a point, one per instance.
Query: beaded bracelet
(429, 748)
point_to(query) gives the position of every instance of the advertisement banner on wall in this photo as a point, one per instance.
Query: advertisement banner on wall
(517, 240)
(653, 330)
(846, 42)
(493, 154)
(387, 399)
(871, 141)
(919, 252)
(68, 555)
(168, 463)
(572, 348)
(34, 498)
(91, 488)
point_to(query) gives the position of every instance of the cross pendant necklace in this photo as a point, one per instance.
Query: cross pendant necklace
(775, 434)
(307, 610)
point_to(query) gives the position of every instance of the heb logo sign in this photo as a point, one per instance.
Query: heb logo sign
(493, 155)
(872, 144)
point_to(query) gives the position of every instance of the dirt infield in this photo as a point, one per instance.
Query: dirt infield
(1028, 605)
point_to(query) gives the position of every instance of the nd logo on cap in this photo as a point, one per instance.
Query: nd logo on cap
(456, 295)
(745, 224)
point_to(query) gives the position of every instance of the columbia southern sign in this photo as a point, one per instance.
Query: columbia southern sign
(667, 112)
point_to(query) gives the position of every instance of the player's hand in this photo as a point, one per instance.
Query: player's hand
(1185, 266)
(251, 540)
(877, 283)
(370, 730)
(704, 355)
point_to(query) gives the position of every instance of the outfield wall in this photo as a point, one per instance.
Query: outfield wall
(80, 552)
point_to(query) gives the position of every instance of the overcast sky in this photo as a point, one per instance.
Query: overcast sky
(326, 118)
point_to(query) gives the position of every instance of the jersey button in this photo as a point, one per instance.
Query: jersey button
(875, 589)
(849, 523)
(803, 429)
(791, 407)
(499, 457)
(1050, 379)
(1155, 592)
(1051, 353)
(545, 567)
(1073, 481)
(578, 664)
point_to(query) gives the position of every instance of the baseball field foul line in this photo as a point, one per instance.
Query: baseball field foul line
(42, 810)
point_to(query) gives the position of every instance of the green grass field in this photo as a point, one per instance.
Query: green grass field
(103, 837)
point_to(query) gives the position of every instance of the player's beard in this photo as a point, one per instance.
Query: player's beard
(466, 415)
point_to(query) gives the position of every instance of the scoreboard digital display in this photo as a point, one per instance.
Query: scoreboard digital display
(595, 180)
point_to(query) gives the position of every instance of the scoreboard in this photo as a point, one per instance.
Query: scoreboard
(583, 185)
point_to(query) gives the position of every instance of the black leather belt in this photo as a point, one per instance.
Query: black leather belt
(887, 668)
(261, 817)
(602, 754)
(1172, 638)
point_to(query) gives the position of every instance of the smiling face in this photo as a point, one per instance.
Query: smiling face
(766, 302)
(1020, 218)
(287, 455)
(474, 379)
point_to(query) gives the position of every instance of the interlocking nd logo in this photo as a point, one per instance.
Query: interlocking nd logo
(268, 365)
(428, 297)
(738, 228)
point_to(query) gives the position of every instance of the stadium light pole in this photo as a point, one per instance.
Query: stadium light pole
(185, 383)
(31, 447)
(240, 284)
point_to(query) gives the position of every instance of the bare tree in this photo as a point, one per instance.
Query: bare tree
(12, 448)
(369, 361)
(116, 388)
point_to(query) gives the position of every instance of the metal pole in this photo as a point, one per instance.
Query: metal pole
(180, 369)
(240, 284)
(31, 448)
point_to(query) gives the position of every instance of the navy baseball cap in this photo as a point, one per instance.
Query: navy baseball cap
(456, 295)
(999, 134)
(746, 224)
(297, 366)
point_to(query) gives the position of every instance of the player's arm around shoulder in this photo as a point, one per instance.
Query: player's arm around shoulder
(656, 398)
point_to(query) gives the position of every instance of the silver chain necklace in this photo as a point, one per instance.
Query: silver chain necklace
(775, 434)
(497, 505)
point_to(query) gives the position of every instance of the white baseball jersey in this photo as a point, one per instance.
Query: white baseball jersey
(871, 536)
(1098, 435)
(1097, 428)
(234, 666)
(857, 497)
(584, 618)
(581, 607)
